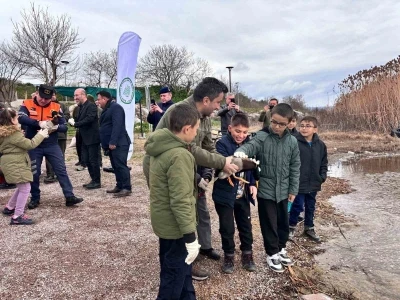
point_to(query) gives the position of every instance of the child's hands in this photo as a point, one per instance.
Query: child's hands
(44, 133)
(291, 198)
(253, 192)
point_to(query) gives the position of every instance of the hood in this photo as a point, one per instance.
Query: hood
(8, 130)
(301, 138)
(161, 141)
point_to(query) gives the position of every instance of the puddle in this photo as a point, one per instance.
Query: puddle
(372, 266)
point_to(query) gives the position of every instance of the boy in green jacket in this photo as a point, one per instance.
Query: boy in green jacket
(279, 157)
(172, 182)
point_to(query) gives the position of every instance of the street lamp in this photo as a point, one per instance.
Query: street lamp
(230, 86)
(65, 63)
(237, 92)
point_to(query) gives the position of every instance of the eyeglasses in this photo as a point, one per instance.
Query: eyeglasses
(307, 126)
(278, 124)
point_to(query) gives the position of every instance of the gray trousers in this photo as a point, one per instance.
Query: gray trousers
(204, 223)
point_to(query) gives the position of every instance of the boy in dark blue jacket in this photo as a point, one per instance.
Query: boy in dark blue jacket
(314, 166)
(233, 202)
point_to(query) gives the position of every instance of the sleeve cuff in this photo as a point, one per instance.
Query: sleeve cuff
(189, 238)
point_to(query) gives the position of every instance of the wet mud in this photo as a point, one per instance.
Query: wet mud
(366, 260)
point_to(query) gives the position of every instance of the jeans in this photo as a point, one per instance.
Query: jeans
(175, 275)
(274, 223)
(303, 200)
(227, 217)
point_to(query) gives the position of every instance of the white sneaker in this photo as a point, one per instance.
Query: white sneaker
(284, 258)
(274, 263)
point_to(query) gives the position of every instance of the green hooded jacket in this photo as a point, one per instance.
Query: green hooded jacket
(202, 148)
(172, 185)
(279, 162)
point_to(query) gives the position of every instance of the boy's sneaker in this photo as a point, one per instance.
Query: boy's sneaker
(228, 264)
(21, 220)
(248, 262)
(311, 234)
(199, 274)
(291, 232)
(284, 258)
(274, 263)
(81, 168)
(8, 212)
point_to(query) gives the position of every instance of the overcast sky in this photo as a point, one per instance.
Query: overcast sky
(278, 48)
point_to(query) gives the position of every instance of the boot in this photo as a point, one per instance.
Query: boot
(228, 265)
(70, 201)
(247, 261)
(199, 274)
(311, 234)
(33, 204)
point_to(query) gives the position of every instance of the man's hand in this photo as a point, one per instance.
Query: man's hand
(152, 108)
(291, 198)
(266, 107)
(229, 167)
(112, 147)
(157, 108)
(253, 192)
(71, 122)
(231, 105)
(237, 108)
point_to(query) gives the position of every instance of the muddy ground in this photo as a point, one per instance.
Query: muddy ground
(105, 248)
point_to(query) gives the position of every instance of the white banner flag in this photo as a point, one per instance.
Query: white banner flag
(128, 48)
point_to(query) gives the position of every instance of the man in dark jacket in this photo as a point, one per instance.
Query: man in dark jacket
(115, 142)
(35, 114)
(158, 110)
(313, 170)
(62, 142)
(227, 112)
(88, 124)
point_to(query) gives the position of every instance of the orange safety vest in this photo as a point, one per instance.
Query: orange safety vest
(40, 113)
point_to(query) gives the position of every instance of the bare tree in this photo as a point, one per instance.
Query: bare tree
(43, 41)
(100, 68)
(168, 64)
(11, 70)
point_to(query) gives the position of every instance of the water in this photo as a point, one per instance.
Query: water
(371, 266)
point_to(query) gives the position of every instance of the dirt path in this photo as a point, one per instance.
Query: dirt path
(105, 248)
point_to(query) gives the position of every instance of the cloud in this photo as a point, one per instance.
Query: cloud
(277, 48)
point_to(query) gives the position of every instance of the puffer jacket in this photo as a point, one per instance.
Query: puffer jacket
(172, 182)
(279, 162)
(14, 161)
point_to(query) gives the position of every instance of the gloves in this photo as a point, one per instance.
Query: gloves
(43, 124)
(44, 132)
(193, 250)
(240, 154)
(71, 121)
(203, 184)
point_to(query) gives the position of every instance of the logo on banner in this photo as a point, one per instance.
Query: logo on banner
(126, 90)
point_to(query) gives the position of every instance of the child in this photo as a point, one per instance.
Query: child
(292, 125)
(15, 163)
(233, 203)
(279, 157)
(314, 166)
(172, 183)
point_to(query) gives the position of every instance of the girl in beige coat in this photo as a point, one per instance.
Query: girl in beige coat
(15, 163)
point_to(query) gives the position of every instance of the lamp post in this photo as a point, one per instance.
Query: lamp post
(65, 63)
(230, 85)
(237, 92)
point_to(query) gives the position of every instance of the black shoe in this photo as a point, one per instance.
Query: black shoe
(33, 204)
(248, 262)
(6, 186)
(311, 234)
(300, 219)
(50, 179)
(123, 193)
(113, 191)
(108, 169)
(70, 201)
(8, 212)
(21, 220)
(93, 185)
(199, 274)
(228, 264)
(86, 184)
(210, 253)
(78, 163)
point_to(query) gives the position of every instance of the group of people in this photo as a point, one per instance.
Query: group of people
(32, 133)
(179, 155)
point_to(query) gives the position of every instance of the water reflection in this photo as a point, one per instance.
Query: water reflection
(366, 166)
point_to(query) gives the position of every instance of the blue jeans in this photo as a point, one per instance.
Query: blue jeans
(302, 201)
(175, 275)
